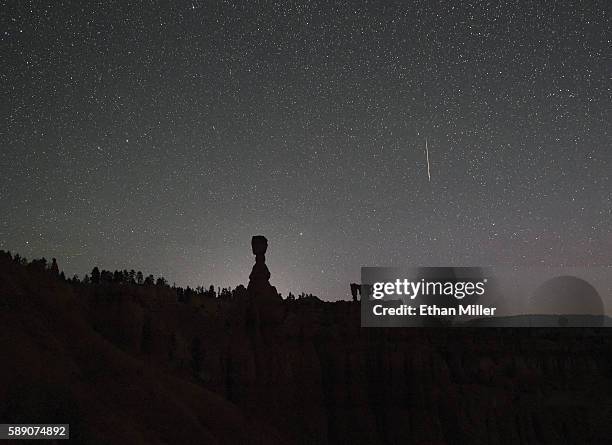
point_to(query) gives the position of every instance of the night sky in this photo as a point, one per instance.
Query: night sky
(161, 136)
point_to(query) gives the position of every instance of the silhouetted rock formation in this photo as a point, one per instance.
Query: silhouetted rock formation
(127, 363)
(355, 290)
(259, 279)
(61, 365)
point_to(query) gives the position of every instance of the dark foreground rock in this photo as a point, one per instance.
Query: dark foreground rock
(128, 364)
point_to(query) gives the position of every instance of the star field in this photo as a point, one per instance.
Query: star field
(161, 137)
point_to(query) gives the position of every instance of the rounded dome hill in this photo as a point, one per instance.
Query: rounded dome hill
(567, 295)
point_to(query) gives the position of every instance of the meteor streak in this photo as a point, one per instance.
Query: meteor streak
(427, 153)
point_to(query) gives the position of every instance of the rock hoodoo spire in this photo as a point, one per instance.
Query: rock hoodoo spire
(259, 279)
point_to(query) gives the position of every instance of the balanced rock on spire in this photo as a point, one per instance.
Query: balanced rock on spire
(259, 279)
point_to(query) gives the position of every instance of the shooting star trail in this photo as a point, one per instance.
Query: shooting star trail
(427, 153)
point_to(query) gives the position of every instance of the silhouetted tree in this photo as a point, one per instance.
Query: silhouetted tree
(149, 281)
(106, 276)
(239, 292)
(180, 295)
(187, 295)
(54, 267)
(161, 282)
(20, 260)
(39, 265)
(139, 277)
(95, 275)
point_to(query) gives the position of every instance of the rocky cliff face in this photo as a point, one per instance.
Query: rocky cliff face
(299, 372)
(59, 365)
(313, 374)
